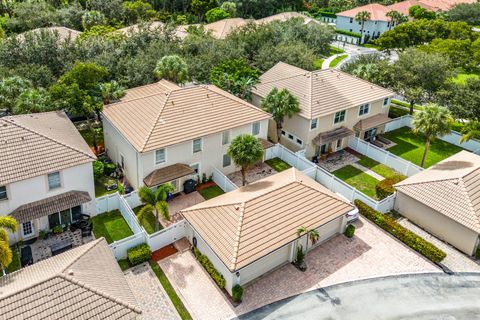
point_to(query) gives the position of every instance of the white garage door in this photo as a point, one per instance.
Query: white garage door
(265, 264)
(327, 231)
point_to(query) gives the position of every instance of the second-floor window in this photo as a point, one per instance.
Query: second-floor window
(225, 137)
(339, 117)
(197, 145)
(313, 124)
(255, 128)
(364, 108)
(159, 156)
(226, 160)
(3, 193)
(385, 101)
(54, 180)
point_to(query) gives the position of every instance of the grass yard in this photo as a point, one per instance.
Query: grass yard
(278, 164)
(111, 225)
(337, 60)
(358, 179)
(377, 167)
(100, 186)
(335, 50)
(317, 64)
(182, 311)
(211, 192)
(410, 147)
(16, 263)
(124, 264)
(148, 221)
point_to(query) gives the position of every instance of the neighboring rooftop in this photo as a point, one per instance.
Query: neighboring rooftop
(63, 32)
(246, 224)
(320, 92)
(451, 187)
(36, 144)
(82, 283)
(163, 114)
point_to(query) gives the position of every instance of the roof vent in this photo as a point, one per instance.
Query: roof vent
(237, 207)
(70, 272)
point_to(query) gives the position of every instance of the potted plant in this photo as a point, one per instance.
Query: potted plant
(57, 230)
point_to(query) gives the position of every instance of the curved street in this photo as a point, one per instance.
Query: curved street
(416, 296)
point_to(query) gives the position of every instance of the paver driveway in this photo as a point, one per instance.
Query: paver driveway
(371, 253)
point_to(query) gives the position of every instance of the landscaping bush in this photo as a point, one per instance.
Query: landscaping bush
(300, 255)
(139, 254)
(385, 187)
(396, 112)
(98, 169)
(108, 168)
(348, 33)
(237, 293)
(327, 14)
(412, 240)
(350, 231)
(208, 265)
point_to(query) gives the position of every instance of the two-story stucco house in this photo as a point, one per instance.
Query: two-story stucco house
(162, 133)
(46, 176)
(333, 106)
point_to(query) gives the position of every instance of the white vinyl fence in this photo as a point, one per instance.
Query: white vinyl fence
(222, 181)
(453, 137)
(387, 158)
(166, 236)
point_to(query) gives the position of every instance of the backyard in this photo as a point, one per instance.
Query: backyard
(210, 192)
(278, 164)
(111, 225)
(358, 179)
(147, 221)
(410, 146)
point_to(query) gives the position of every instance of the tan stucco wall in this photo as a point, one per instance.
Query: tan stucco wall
(441, 226)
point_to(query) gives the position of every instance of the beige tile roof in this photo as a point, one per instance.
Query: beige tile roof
(163, 114)
(320, 92)
(284, 16)
(44, 207)
(63, 32)
(167, 174)
(246, 224)
(152, 26)
(220, 29)
(373, 121)
(36, 144)
(451, 187)
(82, 283)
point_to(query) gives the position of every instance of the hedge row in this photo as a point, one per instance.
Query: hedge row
(348, 33)
(139, 254)
(412, 240)
(208, 265)
(385, 187)
(327, 14)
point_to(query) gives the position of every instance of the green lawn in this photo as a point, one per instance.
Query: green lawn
(370, 45)
(410, 147)
(111, 225)
(148, 221)
(278, 164)
(124, 264)
(100, 186)
(317, 64)
(16, 263)
(377, 167)
(335, 50)
(211, 192)
(182, 311)
(358, 179)
(337, 60)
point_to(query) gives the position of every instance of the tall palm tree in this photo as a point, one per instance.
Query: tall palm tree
(280, 104)
(155, 202)
(172, 68)
(395, 18)
(432, 121)
(363, 16)
(313, 235)
(471, 130)
(6, 254)
(111, 91)
(245, 150)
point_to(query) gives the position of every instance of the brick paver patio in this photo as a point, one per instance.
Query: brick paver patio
(371, 253)
(151, 297)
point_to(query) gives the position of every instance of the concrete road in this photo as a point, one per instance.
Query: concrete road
(420, 297)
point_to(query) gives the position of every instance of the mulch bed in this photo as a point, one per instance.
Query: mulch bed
(206, 185)
(355, 153)
(164, 252)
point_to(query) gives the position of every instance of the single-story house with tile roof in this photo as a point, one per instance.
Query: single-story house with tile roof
(252, 230)
(333, 106)
(83, 283)
(445, 200)
(162, 133)
(46, 176)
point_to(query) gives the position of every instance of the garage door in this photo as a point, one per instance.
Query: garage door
(265, 264)
(327, 231)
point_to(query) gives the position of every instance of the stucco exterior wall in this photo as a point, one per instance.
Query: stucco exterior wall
(441, 226)
(372, 28)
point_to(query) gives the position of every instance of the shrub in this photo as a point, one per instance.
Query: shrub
(385, 187)
(348, 33)
(350, 231)
(327, 14)
(108, 168)
(300, 255)
(216, 14)
(42, 234)
(412, 240)
(237, 293)
(98, 169)
(208, 265)
(139, 254)
(57, 229)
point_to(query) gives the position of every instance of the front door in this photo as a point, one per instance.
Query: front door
(65, 217)
(323, 149)
(370, 133)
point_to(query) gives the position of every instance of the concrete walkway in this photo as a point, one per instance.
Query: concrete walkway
(421, 297)
(368, 171)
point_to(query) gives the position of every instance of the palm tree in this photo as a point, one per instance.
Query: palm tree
(33, 101)
(432, 121)
(280, 104)
(395, 18)
(471, 130)
(172, 68)
(313, 235)
(6, 254)
(111, 91)
(245, 150)
(155, 202)
(362, 16)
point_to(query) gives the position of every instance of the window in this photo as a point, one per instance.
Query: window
(76, 213)
(53, 220)
(27, 228)
(364, 108)
(226, 160)
(65, 217)
(195, 167)
(3, 193)
(300, 142)
(197, 145)
(385, 101)
(351, 30)
(54, 180)
(339, 143)
(255, 128)
(225, 137)
(290, 136)
(313, 124)
(159, 156)
(283, 133)
(339, 117)
(351, 20)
